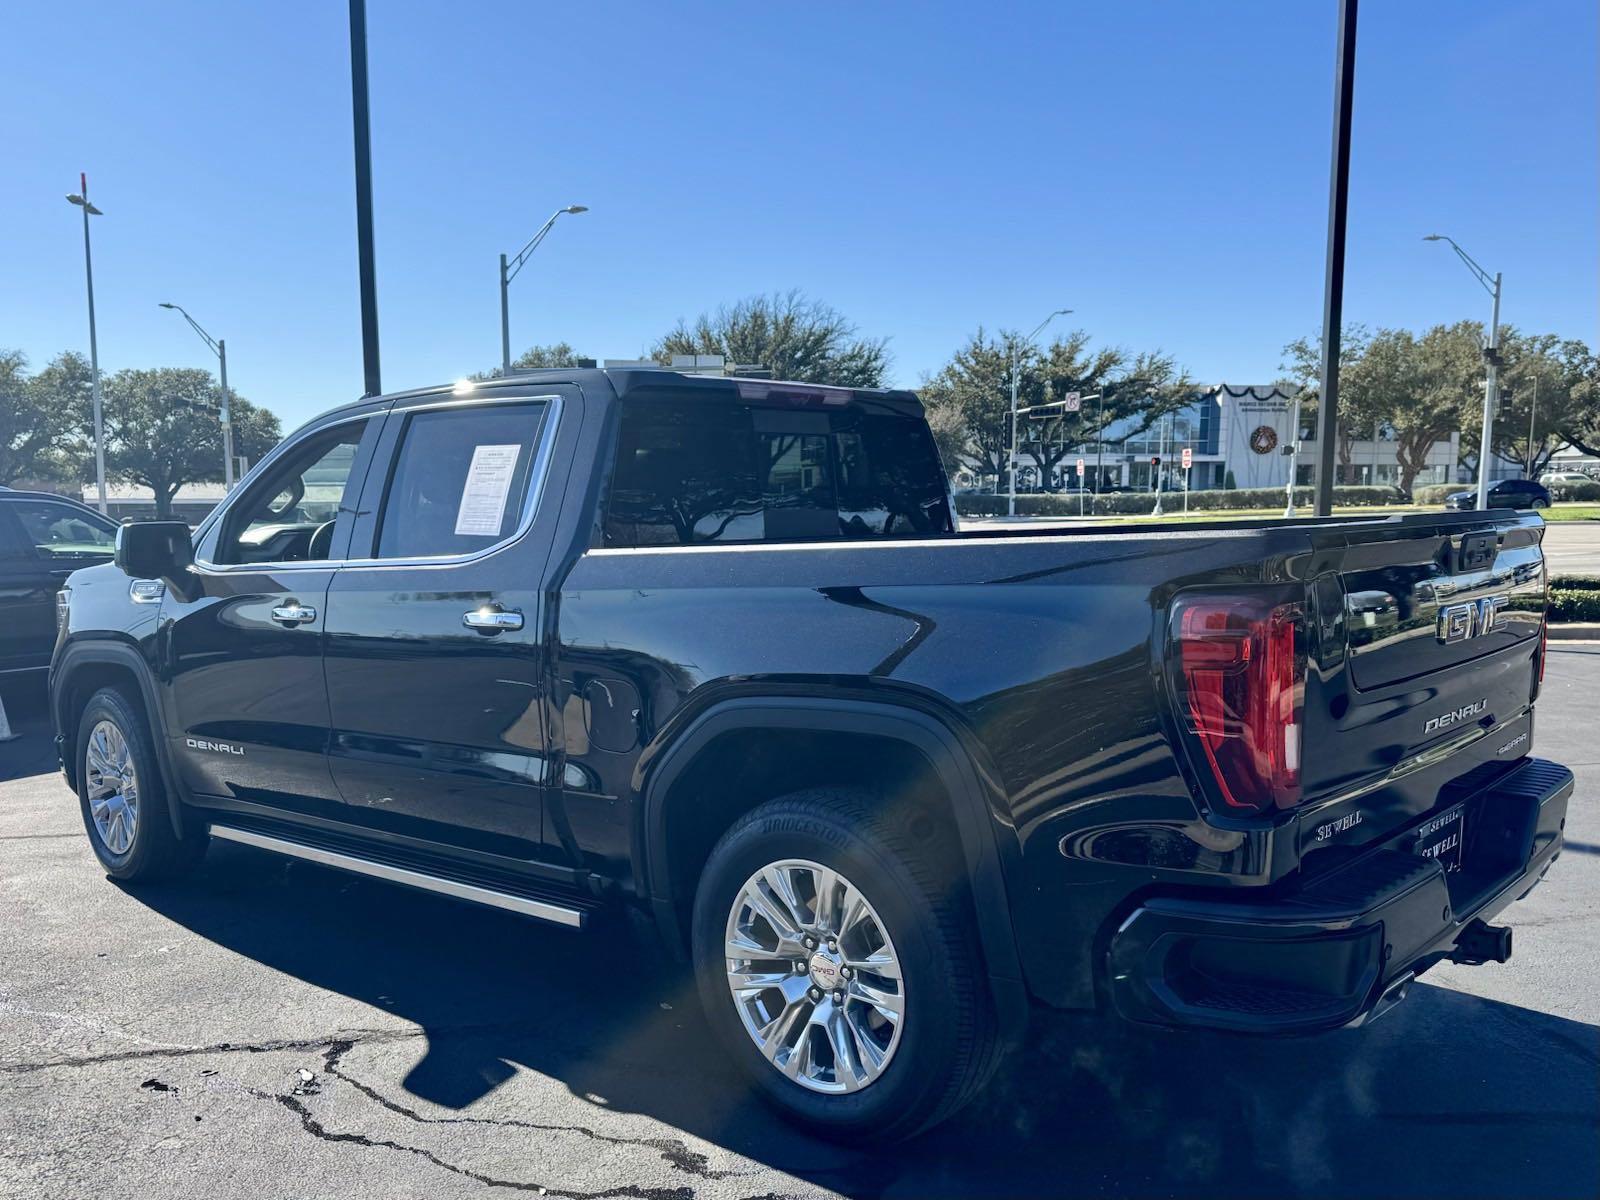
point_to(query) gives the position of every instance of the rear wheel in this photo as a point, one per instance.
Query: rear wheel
(122, 797)
(839, 971)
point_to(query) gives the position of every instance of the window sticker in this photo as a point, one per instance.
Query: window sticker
(483, 497)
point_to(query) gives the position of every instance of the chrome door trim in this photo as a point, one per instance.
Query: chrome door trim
(530, 508)
(542, 910)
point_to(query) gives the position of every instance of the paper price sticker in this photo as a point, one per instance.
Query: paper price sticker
(483, 496)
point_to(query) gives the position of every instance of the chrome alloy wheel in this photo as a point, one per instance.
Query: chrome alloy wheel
(814, 976)
(113, 786)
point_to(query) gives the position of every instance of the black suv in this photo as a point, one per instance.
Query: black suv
(1506, 493)
(714, 650)
(43, 539)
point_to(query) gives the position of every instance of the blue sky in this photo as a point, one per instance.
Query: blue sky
(1160, 168)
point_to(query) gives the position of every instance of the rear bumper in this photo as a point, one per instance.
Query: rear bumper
(1344, 947)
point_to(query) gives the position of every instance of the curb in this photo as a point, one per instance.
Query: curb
(1574, 631)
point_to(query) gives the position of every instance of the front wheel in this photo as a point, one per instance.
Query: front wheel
(839, 967)
(1538, 504)
(122, 797)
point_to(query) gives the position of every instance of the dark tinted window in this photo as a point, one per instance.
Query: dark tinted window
(58, 530)
(692, 471)
(460, 479)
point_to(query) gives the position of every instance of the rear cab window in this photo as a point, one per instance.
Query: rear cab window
(712, 467)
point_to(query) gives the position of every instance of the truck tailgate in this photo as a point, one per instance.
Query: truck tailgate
(1426, 656)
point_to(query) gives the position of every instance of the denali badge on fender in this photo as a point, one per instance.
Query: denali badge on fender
(1459, 622)
(1455, 716)
(219, 747)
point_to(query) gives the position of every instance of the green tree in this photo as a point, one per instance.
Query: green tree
(796, 337)
(974, 390)
(1542, 385)
(162, 429)
(41, 417)
(1582, 371)
(537, 358)
(1360, 410)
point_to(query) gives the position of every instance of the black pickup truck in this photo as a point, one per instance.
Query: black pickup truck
(717, 649)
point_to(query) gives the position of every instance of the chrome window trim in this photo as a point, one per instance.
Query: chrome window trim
(537, 476)
(204, 566)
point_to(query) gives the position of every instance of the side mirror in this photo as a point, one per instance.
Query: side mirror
(154, 550)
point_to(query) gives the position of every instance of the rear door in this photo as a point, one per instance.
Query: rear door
(435, 660)
(247, 703)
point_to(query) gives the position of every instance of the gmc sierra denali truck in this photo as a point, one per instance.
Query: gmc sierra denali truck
(716, 648)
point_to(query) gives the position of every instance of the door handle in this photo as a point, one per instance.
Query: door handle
(491, 620)
(294, 613)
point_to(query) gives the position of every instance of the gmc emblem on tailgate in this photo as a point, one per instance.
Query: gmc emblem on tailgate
(1459, 622)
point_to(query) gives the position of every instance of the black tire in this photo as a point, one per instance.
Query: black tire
(1538, 504)
(948, 1042)
(156, 852)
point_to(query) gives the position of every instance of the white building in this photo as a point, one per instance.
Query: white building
(1238, 436)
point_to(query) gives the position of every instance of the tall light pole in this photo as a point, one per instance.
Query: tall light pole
(81, 199)
(220, 349)
(1011, 462)
(508, 272)
(1491, 358)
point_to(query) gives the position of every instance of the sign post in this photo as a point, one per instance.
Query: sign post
(1188, 461)
(1081, 489)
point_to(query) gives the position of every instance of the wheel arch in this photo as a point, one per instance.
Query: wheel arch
(984, 841)
(82, 669)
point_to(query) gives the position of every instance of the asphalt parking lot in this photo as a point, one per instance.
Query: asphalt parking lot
(273, 1028)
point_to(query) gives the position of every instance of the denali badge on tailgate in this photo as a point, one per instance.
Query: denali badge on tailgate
(1458, 622)
(1455, 715)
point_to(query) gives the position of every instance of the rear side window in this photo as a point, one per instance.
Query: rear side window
(695, 471)
(461, 479)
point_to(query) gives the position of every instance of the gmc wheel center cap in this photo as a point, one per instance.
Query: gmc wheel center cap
(824, 971)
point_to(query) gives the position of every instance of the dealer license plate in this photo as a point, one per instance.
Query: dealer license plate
(1440, 838)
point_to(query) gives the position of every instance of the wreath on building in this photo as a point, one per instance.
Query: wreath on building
(1264, 440)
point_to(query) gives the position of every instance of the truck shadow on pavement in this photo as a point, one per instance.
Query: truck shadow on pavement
(1451, 1095)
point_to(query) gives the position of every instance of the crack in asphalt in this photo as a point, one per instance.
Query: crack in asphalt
(318, 1130)
(672, 1150)
(374, 1036)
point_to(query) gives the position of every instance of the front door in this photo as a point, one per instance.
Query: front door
(435, 664)
(248, 706)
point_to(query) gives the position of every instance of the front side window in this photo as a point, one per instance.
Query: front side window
(289, 515)
(63, 530)
(461, 479)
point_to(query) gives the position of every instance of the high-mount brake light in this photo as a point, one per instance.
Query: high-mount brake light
(798, 397)
(1241, 677)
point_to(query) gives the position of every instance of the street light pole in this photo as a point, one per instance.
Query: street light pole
(1533, 412)
(220, 349)
(1491, 358)
(1011, 460)
(508, 272)
(81, 199)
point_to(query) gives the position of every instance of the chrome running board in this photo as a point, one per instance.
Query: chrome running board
(543, 910)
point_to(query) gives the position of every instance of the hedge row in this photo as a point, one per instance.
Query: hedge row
(1575, 604)
(1046, 504)
(1572, 598)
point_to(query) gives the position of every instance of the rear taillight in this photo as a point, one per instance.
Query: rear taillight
(1240, 673)
(1544, 644)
